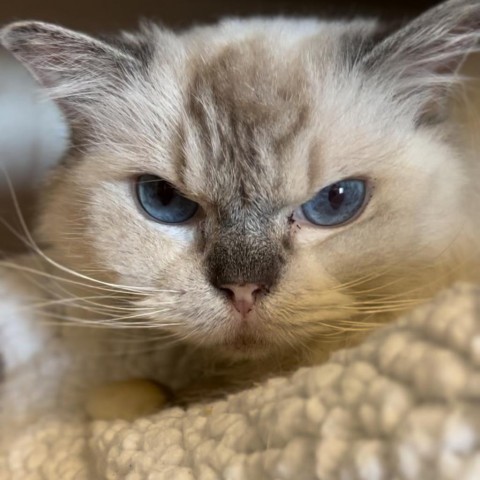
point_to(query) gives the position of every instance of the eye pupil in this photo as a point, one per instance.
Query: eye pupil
(165, 193)
(336, 196)
(162, 202)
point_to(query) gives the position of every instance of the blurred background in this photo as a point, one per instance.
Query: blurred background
(94, 15)
(32, 135)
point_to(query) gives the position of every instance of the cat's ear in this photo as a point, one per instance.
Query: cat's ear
(78, 71)
(422, 59)
(70, 64)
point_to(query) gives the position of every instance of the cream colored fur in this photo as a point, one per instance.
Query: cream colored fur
(418, 233)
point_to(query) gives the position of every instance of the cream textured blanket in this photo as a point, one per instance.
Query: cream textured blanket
(403, 405)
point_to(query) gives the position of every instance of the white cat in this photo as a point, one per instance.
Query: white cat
(260, 191)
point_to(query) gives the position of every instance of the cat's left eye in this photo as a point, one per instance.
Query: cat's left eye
(162, 202)
(336, 204)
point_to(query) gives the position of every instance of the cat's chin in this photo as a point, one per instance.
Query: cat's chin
(241, 337)
(245, 347)
(246, 344)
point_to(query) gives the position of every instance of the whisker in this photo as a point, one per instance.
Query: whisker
(119, 322)
(31, 242)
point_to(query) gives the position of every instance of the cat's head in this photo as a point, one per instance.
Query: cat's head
(261, 182)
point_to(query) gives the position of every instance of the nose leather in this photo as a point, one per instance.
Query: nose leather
(243, 296)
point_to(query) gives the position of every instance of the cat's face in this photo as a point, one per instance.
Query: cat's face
(259, 180)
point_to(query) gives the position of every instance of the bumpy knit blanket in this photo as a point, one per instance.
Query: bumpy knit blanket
(403, 405)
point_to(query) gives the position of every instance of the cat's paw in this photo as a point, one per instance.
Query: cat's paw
(23, 334)
(126, 400)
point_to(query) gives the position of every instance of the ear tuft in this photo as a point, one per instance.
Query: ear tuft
(17, 34)
(440, 37)
(65, 61)
(421, 61)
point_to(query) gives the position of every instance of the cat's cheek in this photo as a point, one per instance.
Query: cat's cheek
(179, 235)
(143, 260)
(304, 234)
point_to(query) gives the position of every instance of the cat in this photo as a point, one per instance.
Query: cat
(264, 191)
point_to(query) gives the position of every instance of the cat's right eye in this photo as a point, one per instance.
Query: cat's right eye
(162, 202)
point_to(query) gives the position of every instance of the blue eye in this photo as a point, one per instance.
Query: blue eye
(162, 202)
(336, 204)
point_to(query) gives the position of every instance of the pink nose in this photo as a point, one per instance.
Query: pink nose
(243, 296)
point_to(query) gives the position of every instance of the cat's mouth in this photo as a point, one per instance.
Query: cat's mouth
(246, 339)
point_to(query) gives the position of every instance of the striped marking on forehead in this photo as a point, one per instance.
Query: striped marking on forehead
(247, 108)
